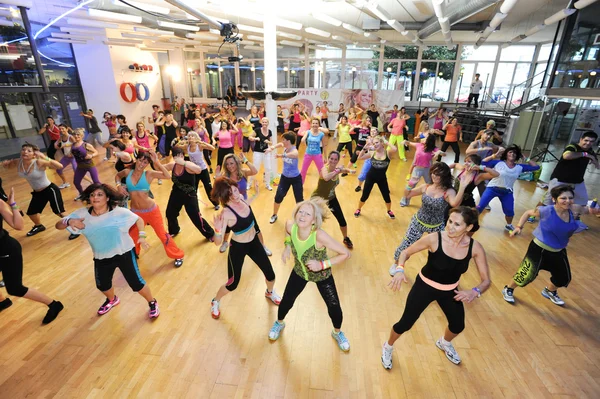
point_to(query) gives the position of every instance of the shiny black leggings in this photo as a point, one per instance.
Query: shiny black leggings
(296, 285)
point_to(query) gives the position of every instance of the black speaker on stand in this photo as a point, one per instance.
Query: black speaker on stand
(560, 110)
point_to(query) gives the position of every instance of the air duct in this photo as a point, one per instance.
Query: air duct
(460, 10)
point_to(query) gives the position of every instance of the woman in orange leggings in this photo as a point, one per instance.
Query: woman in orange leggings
(138, 185)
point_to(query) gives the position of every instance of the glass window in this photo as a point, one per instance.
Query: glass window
(297, 74)
(191, 55)
(259, 75)
(352, 78)
(390, 76)
(329, 52)
(444, 81)
(545, 51)
(333, 75)
(247, 75)
(17, 66)
(406, 80)
(440, 53)
(401, 53)
(370, 75)
(282, 74)
(463, 88)
(518, 86)
(211, 74)
(483, 53)
(193, 72)
(517, 53)
(22, 116)
(503, 81)
(57, 59)
(428, 72)
(362, 53)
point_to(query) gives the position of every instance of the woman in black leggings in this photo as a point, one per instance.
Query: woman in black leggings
(309, 244)
(449, 255)
(11, 262)
(239, 218)
(328, 181)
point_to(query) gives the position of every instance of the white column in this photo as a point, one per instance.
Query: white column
(270, 30)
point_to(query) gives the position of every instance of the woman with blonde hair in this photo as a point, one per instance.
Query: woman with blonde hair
(308, 244)
(262, 140)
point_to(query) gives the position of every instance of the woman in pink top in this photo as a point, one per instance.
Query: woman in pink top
(425, 152)
(142, 138)
(397, 128)
(225, 137)
(126, 139)
(304, 127)
(294, 117)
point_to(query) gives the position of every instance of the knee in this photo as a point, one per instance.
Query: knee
(232, 284)
(456, 326)
(19, 290)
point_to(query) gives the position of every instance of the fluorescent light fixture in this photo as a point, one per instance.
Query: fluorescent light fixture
(214, 32)
(290, 43)
(317, 47)
(497, 20)
(154, 50)
(326, 18)
(507, 5)
(562, 14)
(143, 6)
(70, 36)
(289, 35)
(534, 30)
(136, 36)
(154, 31)
(396, 25)
(288, 24)
(445, 24)
(117, 40)
(340, 39)
(318, 32)
(114, 16)
(352, 28)
(257, 48)
(437, 8)
(257, 38)
(173, 25)
(250, 28)
(83, 30)
(90, 23)
(6, 13)
(404, 32)
(378, 11)
(19, 3)
(202, 36)
(582, 4)
(57, 40)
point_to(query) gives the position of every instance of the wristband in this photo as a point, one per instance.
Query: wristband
(15, 207)
(287, 241)
(218, 234)
(143, 234)
(478, 291)
(400, 268)
(481, 168)
(65, 221)
(118, 183)
(13, 204)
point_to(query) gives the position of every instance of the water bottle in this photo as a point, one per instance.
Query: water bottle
(594, 203)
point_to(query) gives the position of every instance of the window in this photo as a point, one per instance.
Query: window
(352, 75)
(440, 53)
(57, 59)
(211, 74)
(259, 75)
(483, 53)
(390, 76)
(333, 74)
(444, 80)
(517, 53)
(370, 75)
(545, 51)
(503, 82)
(406, 80)
(315, 75)
(247, 75)
(193, 72)
(400, 53)
(191, 55)
(282, 74)
(427, 74)
(17, 65)
(297, 74)
(227, 72)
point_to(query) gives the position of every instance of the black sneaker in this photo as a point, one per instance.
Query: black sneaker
(73, 236)
(36, 229)
(53, 310)
(7, 303)
(348, 243)
(357, 189)
(178, 262)
(344, 174)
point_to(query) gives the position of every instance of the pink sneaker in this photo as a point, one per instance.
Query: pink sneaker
(108, 305)
(154, 312)
(273, 296)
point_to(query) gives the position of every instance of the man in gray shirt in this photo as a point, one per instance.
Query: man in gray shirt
(476, 86)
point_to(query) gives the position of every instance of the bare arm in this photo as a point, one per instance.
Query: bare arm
(11, 215)
(523, 219)
(325, 240)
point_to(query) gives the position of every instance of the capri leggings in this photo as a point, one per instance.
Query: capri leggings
(415, 231)
(11, 265)
(505, 196)
(383, 187)
(104, 269)
(80, 174)
(419, 298)
(284, 186)
(538, 258)
(235, 260)
(365, 169)
(66, 161)
(296, 285)
(347, 146)
(336, 210)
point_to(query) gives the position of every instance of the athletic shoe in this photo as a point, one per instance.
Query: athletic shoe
(391, 215)
(509, 227)
(223, 247)
(357, 213)
(531, 219)
(508, 294)
(354, 165)
(154, 312)
(269, 187)
(159, 182)
(105, 159)
(7, 303)
(357, 189)
(176, 234)
(214, 309)
(393, 270)
(344, 174)
(348, 243)
(449, 350)
(2, 283)
(341, 340)
(53, 310)
(581, 227)
(273, 296)
(267, 251)
(108, 305)
(210, 170)
(386, 356)
(404, 159)
(404, 201)
(73, 236)
(273, 219)
(178, 262)
(408, 176)
(276, 330)
(78, 198)
(36, 229)
(553, 296)
(64, 185)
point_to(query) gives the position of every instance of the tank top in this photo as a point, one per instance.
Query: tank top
(79, 153)
(120, 165)
(170, 132)
(142, 184)
(261, 145)
(432, 210)
(552, 231)
(468, 199)
(36, 177)
(326, 189)
(443, 269)
(129, 148)
(290, 165)
(484, 150)
(143, 141)
(255, 120)
(313, 143)
(422, 158)
(3, 233)
(243, 187)
(197, 157)
(379, 167)
(66, 146)
(184, 181)
(304, 251)
(242, 224)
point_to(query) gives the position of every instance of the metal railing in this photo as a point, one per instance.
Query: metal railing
(528, 91)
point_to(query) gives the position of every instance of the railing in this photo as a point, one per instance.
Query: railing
(527, 91)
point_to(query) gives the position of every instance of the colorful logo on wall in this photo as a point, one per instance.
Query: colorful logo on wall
(130, 92)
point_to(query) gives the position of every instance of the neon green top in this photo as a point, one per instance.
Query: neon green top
(304, 251)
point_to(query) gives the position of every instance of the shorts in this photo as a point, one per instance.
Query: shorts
(39, 199)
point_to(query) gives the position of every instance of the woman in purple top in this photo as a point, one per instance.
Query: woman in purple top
(84, 154)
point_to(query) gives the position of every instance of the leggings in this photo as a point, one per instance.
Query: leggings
(419, 298)
(347, 146)
(308, 159)
(416, 229)
(365, 169)
(284, 186)
(260, 158)
(153, 218)
(538, 258)
(221, 153)
(179, 199)
(325, 122)
(51, 150)
(336, 210)
(11, 265)
(397, 141)
(66, 161)
(383, 188)
(357, 150)
(235, 260)
(294, 288)
(80, 173)
(504, 195)
(104, 269)
(246, 144)
(204, 176)
(95, 137)
(455, 148)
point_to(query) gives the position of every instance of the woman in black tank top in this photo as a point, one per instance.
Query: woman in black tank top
(449, 254)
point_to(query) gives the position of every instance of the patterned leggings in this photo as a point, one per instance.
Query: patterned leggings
(415, 231)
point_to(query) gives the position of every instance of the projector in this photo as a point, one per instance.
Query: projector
(235, 59)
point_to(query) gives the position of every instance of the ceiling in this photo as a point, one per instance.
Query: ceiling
(525, 15)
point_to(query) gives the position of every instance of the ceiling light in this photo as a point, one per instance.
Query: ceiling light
(91, 23)
(396, 25)
(154, 31)
(114, 16)
(352, 28)
(288, 24)
(254, 48)
(507, 5)
(56, 40)
(143, 6)
(202, 36)
(293, 44)
(317, 32)
(83, 30)
(250, 28)
(120, 44)
(221, 69)
(289, 35)
(534, 30)
(378, 11)
(562, 14)
(69, 36)
(497, 20)
(326, 18)
(293, 72)
(173, 25)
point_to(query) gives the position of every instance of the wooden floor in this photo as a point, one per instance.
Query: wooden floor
(532, 349)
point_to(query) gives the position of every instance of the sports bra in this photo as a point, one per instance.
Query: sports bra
(242, 224)
(142, 184)
(443, 269)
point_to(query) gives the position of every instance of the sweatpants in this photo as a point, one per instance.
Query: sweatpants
(397, 141)
(260, 158)
(179, 199)
(347, 146)
(11, 265)
(153, 218)
(104, 269)
(80, 173)
(39, 200)
(455, 148)
(308, 159)
(235, 260)
(538, 258)
(415, 231)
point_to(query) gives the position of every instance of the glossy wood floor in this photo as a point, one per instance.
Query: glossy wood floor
(532, 349)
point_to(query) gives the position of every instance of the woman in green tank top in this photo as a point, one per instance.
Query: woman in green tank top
(309, 244)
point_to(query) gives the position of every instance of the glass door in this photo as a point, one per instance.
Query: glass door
(73, 103)
(18, 124)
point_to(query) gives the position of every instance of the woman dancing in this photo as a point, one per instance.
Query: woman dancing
(449, 254)
(377, 174)
(367, 164)
(239, 218)
(262, 140)
(224, 136)
(548, 249)
(137, 186)
(195, 151)
(425, 152)
(362, 133)
(65, 143)
(345, 141)
(397, 131)
(314, 140)
(452, 137)
(110, 121)
(308, 244)
(106, 227)
(475, 173)
(328, 181)
(53, 134)
(84, 154)
(142, 138)
(11, 263)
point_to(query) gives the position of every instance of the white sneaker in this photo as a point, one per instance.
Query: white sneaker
(341, 340)
(269, 187)
(267, 251)
(449, 350)
(273, 296)
(214, 309)
(386, 356)
(276, 330)
(508, 294)
(223, 247)
(553, 296)
(105, 159)
(64, 185)
(273, 219)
